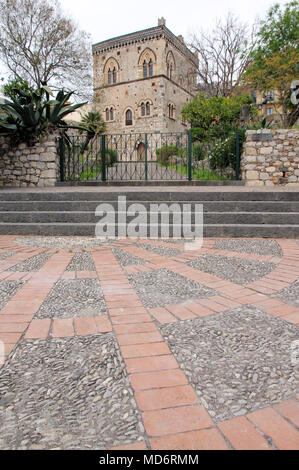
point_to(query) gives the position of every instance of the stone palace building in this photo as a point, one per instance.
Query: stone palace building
(143, 79)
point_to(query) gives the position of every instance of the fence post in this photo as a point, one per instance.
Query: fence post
(103, 157)
(237, 152)
(61, 159)
(145, 156)
(189, 156)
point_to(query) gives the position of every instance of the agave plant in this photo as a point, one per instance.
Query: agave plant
(28, 115)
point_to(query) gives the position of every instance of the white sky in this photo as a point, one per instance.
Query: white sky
(105, 19)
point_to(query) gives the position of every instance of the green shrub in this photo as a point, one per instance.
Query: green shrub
(198, 151)
(111, 157)
(222, 154)
(165, 152)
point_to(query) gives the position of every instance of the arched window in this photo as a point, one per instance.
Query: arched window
(109, 77)
(146, 62)
(171, 111)
(150, 68)
(170, 65)
(114, 75)
(148, 108)
(144, 69)
(111, 71)
(142, 109)
(107, 114)
(129, 118)
(111, 114)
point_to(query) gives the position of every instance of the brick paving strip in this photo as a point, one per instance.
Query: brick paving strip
(172, 415)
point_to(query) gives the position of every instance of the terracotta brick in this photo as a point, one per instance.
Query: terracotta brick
(290, 410)
(85, 326)
(12, 327)
(162, 315)
(140, 338)
(15, 318)
(199, 310)
(114, 312)
(135, 446)
(135, 328)
(181, 312)
(176, 420)
(147, 364)
(38, 329)
(212, 305)
(143, 350)
(205, 439)
(103, 324)
(130, 319)
(62, 328)
(243, 435)
(160, 379)
(165, 397)
(292, 317)
(283, 435)
(282, 310)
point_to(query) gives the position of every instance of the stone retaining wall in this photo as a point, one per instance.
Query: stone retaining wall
(29, 166)
(271, 157)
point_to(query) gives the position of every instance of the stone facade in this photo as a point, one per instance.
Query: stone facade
(29, 166)
(271, 157)
(143, 79)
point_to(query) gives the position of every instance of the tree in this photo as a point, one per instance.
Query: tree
(93, 121)
(275, 59)
(223, 56)
(40, 45)
(218, 112)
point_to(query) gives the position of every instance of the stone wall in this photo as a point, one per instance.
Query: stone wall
(29, 166)
(271, 157)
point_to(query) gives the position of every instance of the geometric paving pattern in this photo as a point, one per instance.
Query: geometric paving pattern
(94, 359)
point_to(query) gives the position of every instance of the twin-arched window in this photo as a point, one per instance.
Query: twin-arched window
(111, 71)
(145, 108)
(112, 76)
(109, 114)
(147, 68)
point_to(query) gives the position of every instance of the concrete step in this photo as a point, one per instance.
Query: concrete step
(208, 206)
(210, 230)
(89, 217)
(141, 195)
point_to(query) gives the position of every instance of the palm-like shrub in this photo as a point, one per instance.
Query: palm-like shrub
(28, 115)
(93, 121)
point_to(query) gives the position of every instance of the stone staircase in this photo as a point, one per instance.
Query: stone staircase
(227, 213)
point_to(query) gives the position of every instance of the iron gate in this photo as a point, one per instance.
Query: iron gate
(149, 157)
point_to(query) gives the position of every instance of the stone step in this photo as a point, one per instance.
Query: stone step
(210, 230)
(140, 195)
(208, 206)
(89, 217)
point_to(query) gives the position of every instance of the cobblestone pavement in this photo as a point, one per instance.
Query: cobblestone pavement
(142, 345)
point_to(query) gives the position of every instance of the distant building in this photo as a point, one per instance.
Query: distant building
(143, 79)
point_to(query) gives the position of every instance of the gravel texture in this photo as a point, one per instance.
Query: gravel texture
(32, 264)
(7, 290)
(160, 250)
(126, 259)
(256, 247)
(62, 243)
(67, 394)
(290, 294)
(162, 287)
(237, 361)
(73, 298)
(238, 270)
(81, 262)
(6, 254)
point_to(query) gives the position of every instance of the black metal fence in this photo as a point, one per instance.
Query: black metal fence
(150, 157)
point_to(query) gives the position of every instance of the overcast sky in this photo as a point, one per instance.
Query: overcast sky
(110, 18)
(105, 19)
